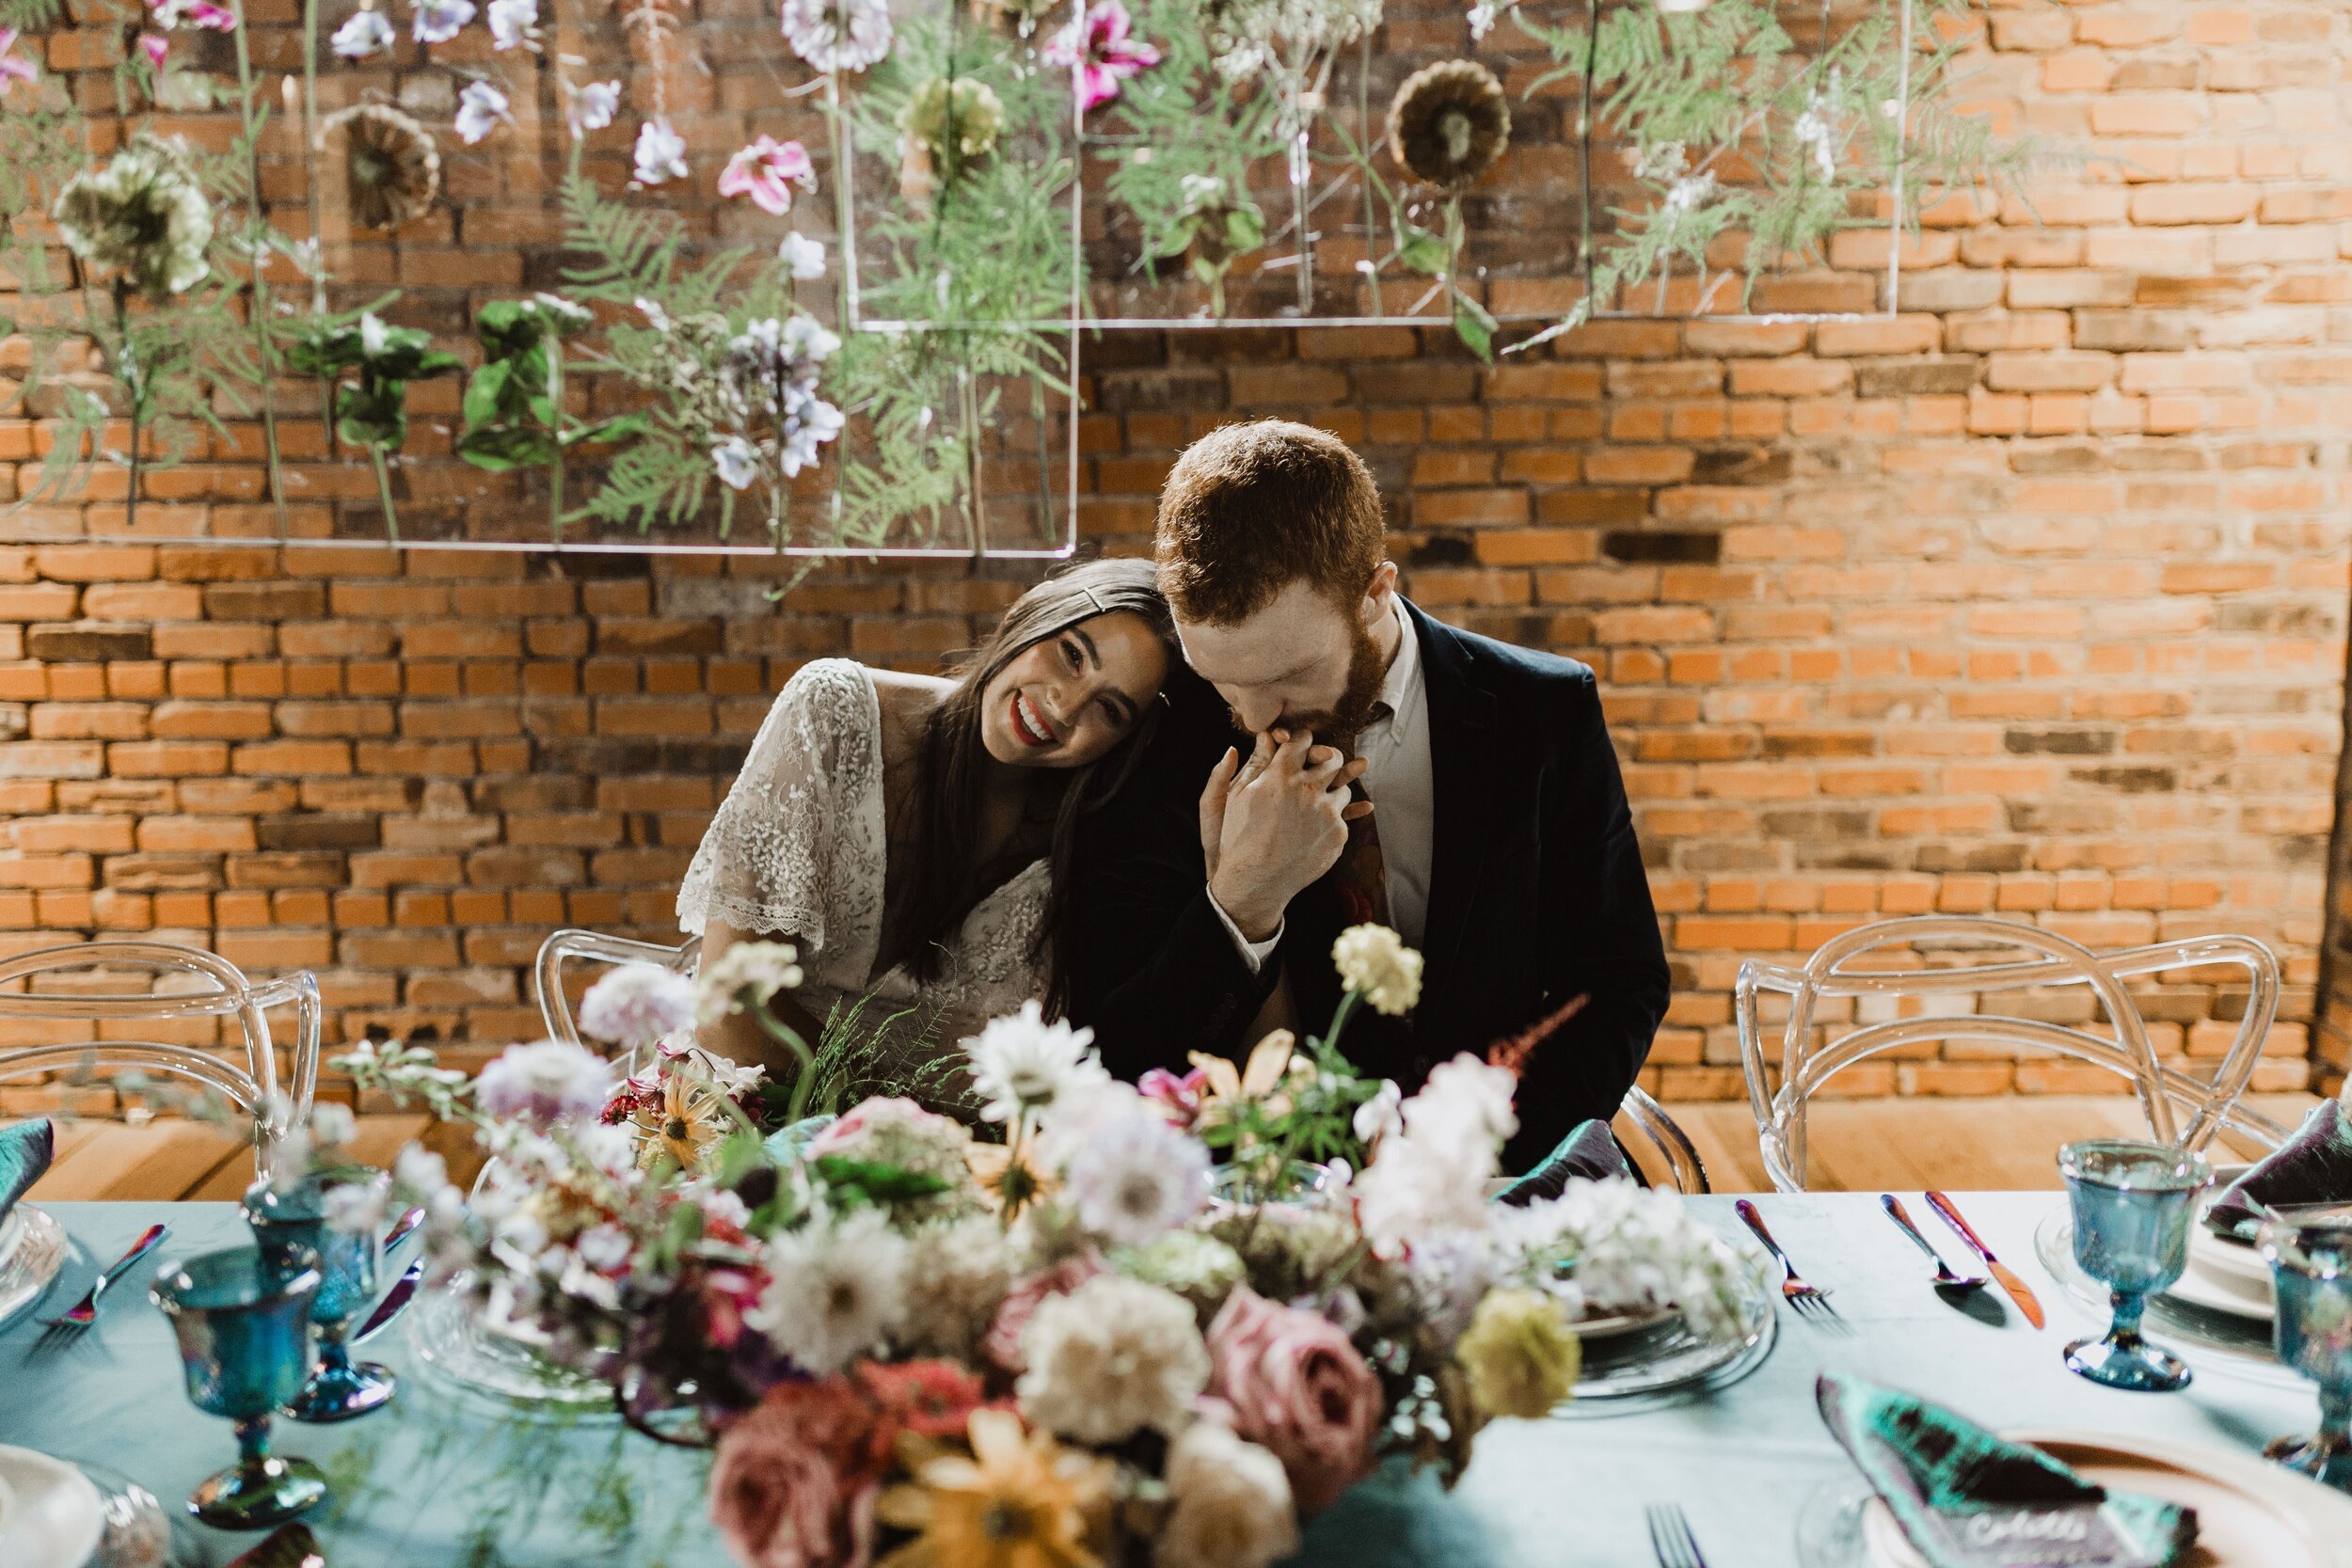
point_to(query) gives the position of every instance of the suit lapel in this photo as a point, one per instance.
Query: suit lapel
(1464, 754)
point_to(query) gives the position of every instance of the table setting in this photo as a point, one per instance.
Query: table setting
(685, 1318)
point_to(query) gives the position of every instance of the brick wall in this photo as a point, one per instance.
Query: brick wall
(2028, 602)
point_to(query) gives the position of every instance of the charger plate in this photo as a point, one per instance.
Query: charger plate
(1646, 1366)
(447, 1331)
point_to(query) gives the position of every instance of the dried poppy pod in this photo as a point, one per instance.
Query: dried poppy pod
(1449, 122)
(391, 169)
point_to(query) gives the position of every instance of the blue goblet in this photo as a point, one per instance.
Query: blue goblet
(245, 1342)
(291, 1226)
(2311, 1266)
(2133, 1203)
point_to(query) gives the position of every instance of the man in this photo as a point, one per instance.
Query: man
(1459, 789)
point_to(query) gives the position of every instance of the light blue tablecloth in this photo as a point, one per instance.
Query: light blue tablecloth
(417, 1479)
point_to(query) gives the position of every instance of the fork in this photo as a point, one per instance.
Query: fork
(1670, 1537)
(1808, 1301)
(85, 1312)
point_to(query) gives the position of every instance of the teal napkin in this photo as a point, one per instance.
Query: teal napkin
(1589, 1150)
(25, 1150)
(2312, 1166)
(1966, 1499)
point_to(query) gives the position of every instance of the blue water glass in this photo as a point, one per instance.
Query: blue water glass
(2133, 1203)
(244, 1327)
(289, 1226)
(2310, 1267)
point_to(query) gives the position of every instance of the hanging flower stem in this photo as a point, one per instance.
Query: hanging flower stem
(246, 108)
(804, 1080)
(554, 340)
(134, 376)
(384, 491)
(310, 183)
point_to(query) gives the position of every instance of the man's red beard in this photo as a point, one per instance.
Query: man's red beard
(1339, 724)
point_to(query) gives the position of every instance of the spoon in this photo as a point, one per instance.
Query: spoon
(1945, 1278)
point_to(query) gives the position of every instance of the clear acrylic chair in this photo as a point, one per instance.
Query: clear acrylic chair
(1683, 1166)
(555, 1002)
(2180, 1108)
(161, 1008)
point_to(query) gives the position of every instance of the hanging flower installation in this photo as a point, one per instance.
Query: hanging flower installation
(838, 35)
(765, 171)
(391, 167)
(1096, 47)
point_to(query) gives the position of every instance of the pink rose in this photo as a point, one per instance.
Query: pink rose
(1001, 1344)
(789, 1485)
(1299, 1387)
(842, 1132)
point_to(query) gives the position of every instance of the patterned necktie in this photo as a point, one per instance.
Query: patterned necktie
(1360, 875)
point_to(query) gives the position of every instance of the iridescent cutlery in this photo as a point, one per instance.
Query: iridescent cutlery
(1806, 1301)
(1945, 1278)
(390, 1307)
(402, 1230)
(85, 1312)
(2018, 1290)
(1670, 1538)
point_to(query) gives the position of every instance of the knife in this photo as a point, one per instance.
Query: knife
(290, 1546)
(2018, 1290)
(403, 1229)
(394, 1299)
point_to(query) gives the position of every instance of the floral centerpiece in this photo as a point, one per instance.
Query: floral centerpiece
(1118, 1323)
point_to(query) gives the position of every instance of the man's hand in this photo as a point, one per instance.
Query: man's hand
(1272, 824)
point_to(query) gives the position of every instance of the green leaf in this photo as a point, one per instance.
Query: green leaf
(874, 1180)
(501, 447)
(1475, 326)
(1423, 249)
(372, 413)
(485, 394)
(609, 430)
(1244, 228)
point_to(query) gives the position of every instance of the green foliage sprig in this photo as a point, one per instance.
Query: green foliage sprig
(514, 405)
(371, 410)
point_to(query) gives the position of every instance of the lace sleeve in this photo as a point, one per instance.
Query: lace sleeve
(769, 857)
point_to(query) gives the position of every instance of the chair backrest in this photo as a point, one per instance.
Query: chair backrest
(103, 1016)
(1906, 996)
(555, 1002)
(1681, 1161)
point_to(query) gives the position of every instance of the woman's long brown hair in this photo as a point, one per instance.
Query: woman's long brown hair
(944, 876)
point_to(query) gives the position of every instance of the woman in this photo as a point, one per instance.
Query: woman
(912, 834)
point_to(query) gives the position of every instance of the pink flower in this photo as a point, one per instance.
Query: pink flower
(154, 45)
(1001, 1344)
(1177, 1098)
(1096, 48)
(788, 1487)
(842, 1132)
(14, 70)
(1299, 1387)
(765, 171)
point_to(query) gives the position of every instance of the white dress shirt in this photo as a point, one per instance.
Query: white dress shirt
(1394, 747)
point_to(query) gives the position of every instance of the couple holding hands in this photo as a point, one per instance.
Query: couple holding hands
(1161, 789)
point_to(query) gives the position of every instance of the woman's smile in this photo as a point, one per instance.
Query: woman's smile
(1029, 723)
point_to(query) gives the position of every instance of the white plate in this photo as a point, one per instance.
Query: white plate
(2251, 1513)
(51, 1514)
(2220, 1282)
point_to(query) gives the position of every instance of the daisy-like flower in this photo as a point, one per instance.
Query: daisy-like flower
(1137, 1178)
(362, 33)
(838, 35)
(686, 1123)
(592, 107)
(13, 69)
(660, 153)
(1022, 1500)
(1021, 1062)
(1224, 1088)
(439, 21)
(143, 213)
(480, 108)
(513, 24)
(837, 1289)
(803, 258)
(636, 1004)
(737, 461)
(1374, 961)
(765, 171)
(1010, 1178)
(1113, 1358)
(1100, 55)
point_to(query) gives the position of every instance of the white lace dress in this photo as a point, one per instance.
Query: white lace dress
(797, 847)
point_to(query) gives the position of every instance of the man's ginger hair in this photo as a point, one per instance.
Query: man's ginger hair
(1251, 508)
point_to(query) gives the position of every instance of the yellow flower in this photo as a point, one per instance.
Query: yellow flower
(1272, 1063)
(686, 1126)
(1022, 1500)
(1374, 960)
(1519, 1352)
(1009, 1181)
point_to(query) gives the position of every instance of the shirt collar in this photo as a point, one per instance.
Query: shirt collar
(1403, 681)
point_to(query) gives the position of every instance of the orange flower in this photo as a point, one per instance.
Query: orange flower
(1273, 1061)
(1010, 1176)
(1020, 1500)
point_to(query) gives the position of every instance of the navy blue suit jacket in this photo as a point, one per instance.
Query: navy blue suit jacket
(1537, 894)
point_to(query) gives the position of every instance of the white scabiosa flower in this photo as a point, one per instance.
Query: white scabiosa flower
(364, 34)
(737, 462)
(593, 108)
(1375, 961)
(660, 154)
(513, 24)
(635, 1005)
(1137, 1176)
(838, 1289)
(1229, 1503)
(480, 108)
(1113, 1358)
(838, 35)
(544, 1083)
(1021, 1062)
(439, 21)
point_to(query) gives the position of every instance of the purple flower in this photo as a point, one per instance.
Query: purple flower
(1100, 55)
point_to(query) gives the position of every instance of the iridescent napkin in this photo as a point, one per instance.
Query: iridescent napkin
(1589, 1150)
(2312, 1166)
(25, 1150)
(1966, 1499)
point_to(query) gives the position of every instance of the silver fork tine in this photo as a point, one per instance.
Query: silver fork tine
(1670, 1538)
(1689, 1542)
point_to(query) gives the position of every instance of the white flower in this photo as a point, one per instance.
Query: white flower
(636, 1004)
(1089, 1100)
(362, 33)
(512, 23)
(1229, 1503)
(812, 423)
(737, 462)
(480, 108)
(438, 21)
(1021, 1062)
(660, 153)
(1660, 161)
(957, 1276)
(803, 259)
(1689, 191)
(1137, 1178)
(838, 1289)
(593, 108)
(1197, 191)
(1415, 1187)
(656, 317)
(333, 1125)
(544, 1083)
(838, 35)
(1376, 1117)
(357, 1207)
(759, 968)
(419, 1172)
(1375, 961)
(1615, 1246)
(1482, 19)
(1466, 1102)
(603, 1247)
(1111, 1358)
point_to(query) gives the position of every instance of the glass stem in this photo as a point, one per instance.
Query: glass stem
(2335, 1421)
(334, 1355)
(2125, 1333)
(252, 1441)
